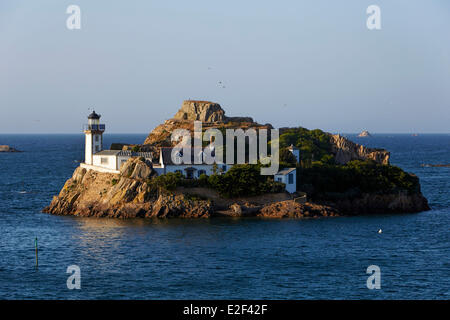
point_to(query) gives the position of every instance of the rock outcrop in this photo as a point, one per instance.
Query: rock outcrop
(204, 111)
(124, 195)
(365, 133)
(210, 113)
(6, 148)
(292, 209)
(345, 150)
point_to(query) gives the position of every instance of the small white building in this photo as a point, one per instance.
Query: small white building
(289, 178)
(114, 159)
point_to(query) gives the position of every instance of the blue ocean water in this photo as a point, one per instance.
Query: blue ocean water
(218, 258)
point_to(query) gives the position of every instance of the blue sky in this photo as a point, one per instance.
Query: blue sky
(290, 63)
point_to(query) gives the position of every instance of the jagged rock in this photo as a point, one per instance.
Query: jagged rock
(237, 209)
(205, 111)
(78, 174)
(177, 206)
(345, 150)
(292, 209)
(137, 168)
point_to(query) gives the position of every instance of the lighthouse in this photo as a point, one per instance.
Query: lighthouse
(93, 131)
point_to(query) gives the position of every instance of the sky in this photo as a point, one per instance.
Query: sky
(310, 63)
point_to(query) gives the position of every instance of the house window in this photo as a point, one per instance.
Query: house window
(279, 179)
(178, 171)
(291, 178)
(97, 148)
(96, 138)
(224, 168)
(104, 160)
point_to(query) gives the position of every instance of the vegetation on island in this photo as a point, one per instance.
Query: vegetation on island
(322, 179)
(240, 180)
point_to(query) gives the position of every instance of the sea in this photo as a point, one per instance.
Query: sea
(219, 258)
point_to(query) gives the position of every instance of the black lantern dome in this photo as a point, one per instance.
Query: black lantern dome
(94, 116)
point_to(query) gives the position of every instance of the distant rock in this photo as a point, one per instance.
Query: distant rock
(6, 148)
(436, 165)
(365, 133)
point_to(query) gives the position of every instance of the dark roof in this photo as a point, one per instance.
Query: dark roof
(195, 152)
(94, 115)
(285, 171)
(107, 153)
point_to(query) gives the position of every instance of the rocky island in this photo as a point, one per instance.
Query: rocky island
(335, 177)
(6, 148)
(365, 133)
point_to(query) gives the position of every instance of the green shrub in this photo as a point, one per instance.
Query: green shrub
(314, 145)
(242, 180)
(168, 181)
(114, 182)
(203, 180)
(326, 181)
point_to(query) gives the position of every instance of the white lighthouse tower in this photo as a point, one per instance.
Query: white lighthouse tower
(93, 131)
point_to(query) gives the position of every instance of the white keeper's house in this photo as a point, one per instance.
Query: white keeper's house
(111, 160)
